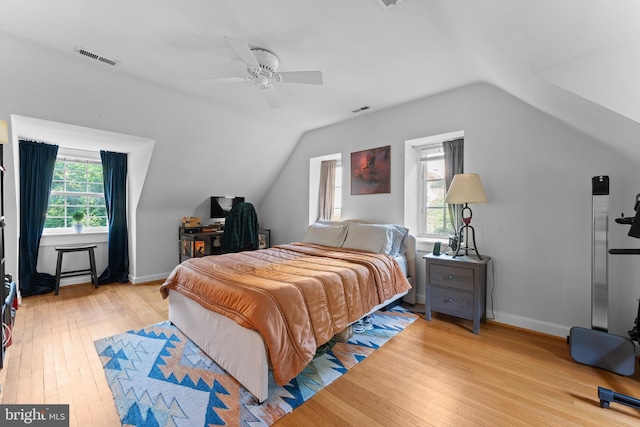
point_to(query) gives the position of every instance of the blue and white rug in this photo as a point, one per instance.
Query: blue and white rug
(158, 377)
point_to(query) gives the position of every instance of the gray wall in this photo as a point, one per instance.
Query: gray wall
(537, 225)
(536, 172)
(200, 149)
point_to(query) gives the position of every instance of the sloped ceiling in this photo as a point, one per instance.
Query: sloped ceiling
(575, 59)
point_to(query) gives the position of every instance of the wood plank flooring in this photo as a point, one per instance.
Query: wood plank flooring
(434, 373)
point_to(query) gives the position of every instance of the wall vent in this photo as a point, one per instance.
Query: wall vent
(97, 57)
(357, 110)
(388, 4)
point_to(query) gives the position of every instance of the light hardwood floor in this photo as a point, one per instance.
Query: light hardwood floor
(433, 373)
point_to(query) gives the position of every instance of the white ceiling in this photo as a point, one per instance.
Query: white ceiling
(569, 58)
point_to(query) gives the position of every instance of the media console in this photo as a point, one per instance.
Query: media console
(195, 242)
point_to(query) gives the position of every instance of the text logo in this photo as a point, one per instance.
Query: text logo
(34, 415)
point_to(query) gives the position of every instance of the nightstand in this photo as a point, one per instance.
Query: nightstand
(457, 286)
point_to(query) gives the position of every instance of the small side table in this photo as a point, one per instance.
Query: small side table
(457, 286)
(91, 270)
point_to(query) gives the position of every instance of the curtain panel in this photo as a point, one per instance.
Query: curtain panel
(326, 201)
(37, 162)
(114, 173)
(453, 164)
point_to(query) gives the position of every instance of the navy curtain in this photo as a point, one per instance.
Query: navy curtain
(114, 172)
(37, 161)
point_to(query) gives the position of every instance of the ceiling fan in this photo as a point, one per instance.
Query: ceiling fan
(262, 66)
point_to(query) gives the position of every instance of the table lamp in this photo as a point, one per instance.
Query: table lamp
(464, 189)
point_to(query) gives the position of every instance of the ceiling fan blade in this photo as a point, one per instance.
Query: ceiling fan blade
(305, 77)
(228, 79)
(273, 98)
(244, 52)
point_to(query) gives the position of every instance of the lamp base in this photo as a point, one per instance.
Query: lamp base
(467, 229)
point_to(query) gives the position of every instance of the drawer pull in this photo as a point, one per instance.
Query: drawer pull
(449, 300)
(450, 277)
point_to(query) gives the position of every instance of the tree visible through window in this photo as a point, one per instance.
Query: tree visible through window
(77, 186)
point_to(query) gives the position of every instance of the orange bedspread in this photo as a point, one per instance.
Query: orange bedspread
(297, 296)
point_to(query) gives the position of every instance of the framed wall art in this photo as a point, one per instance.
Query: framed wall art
(371, 171)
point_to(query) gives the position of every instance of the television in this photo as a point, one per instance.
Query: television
(222, 205)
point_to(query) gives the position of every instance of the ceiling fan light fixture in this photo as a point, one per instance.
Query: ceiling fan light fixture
(262, 80)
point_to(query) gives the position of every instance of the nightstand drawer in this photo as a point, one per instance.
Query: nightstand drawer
(451, 277)
(446, 300)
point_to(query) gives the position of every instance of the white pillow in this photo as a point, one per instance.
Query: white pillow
(400, 237)
(371, 237)
(326, 234)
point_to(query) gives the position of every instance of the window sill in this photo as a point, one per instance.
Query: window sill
(67, 238)
(425, 244)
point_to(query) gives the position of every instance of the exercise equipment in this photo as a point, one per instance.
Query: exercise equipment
(608, 396)
(596, 346)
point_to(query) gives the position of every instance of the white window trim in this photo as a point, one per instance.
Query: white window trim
(86, 237)
(72, 154)
(339, 184)
(314, 183)
(412, 182)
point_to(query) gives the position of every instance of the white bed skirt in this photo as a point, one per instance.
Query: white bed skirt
(238, 350)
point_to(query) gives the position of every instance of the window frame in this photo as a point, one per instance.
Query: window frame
(412, 188)
(336, 215)
(436, 152)
(77, 156)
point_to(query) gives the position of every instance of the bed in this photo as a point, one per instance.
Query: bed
(265, 311)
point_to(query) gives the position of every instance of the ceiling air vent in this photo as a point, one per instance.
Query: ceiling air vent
(388, 4)
(97, 57)
(357, 110)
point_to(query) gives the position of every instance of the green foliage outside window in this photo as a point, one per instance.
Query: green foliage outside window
(77, 185)
(435, 213)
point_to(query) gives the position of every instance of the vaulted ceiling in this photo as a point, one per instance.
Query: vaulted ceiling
(574, 59)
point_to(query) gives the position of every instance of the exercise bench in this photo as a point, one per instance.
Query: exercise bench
(92, 264)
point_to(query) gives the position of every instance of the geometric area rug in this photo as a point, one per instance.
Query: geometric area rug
(158, 377)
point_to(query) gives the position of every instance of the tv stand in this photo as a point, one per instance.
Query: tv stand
(199, 243)
(196, 244)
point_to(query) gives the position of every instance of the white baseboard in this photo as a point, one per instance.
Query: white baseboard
(87, 279)
(531, 324)
(150, 278)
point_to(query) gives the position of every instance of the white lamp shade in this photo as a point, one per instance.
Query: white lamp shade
(466, 188)
(4, 132)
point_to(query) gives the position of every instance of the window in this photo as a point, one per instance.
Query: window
(434, 213)
(77, 186)
(337, 203)
(425, 212)
(315, 178)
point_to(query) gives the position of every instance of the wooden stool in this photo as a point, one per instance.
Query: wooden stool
(92, 264)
